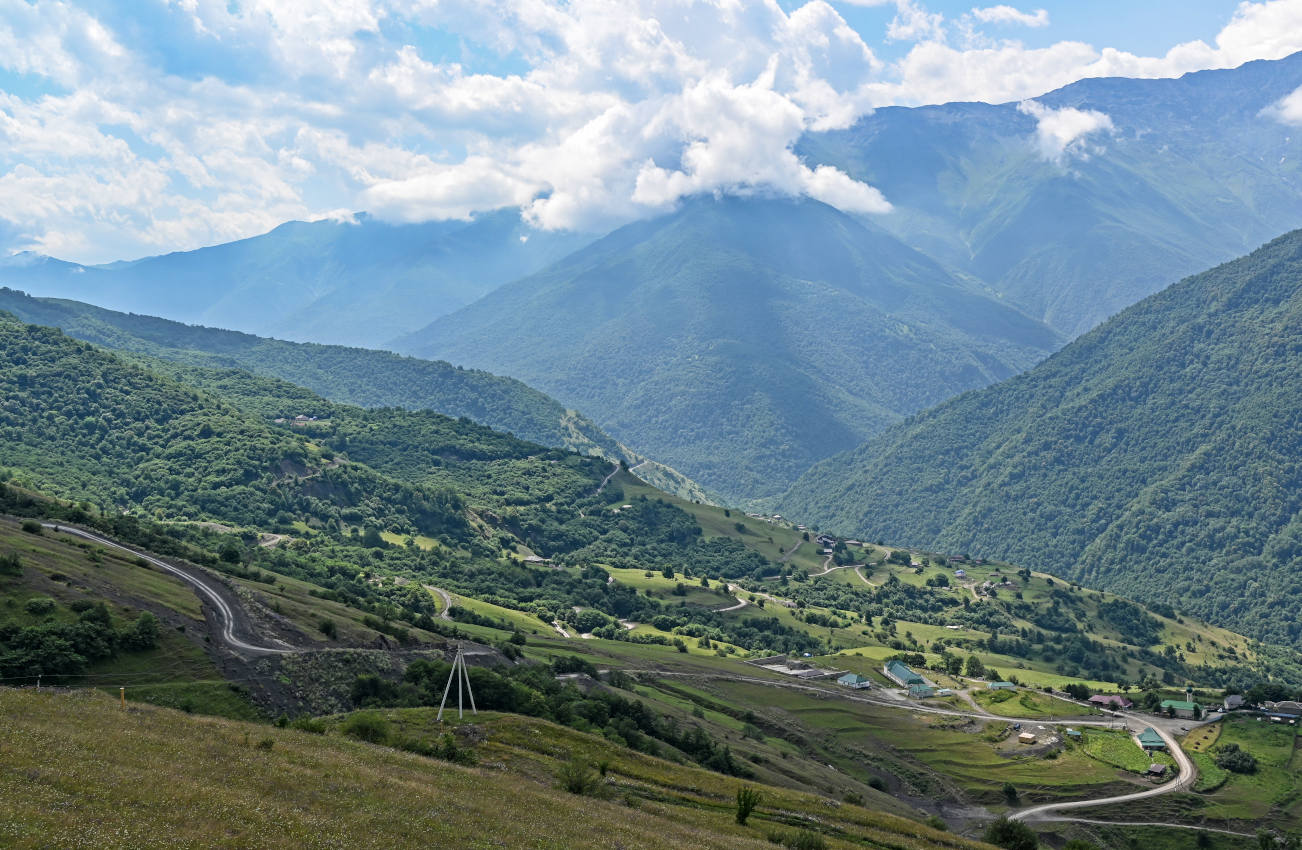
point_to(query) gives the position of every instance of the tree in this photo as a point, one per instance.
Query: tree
(973, 667)
(1010, 793)
(747, 800)
(1011, 835)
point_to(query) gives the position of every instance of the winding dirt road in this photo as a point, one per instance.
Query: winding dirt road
(203, 585)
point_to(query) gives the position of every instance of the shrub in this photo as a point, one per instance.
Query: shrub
(1010, 835)
(803, 840)
(327, 627)
(747, 799)
(308, 723)
(39, 605)
(11, 564)
(577, 776)
(31, 526)
(1230, 757)
(876, 783)
(367, 726)
(266, 744)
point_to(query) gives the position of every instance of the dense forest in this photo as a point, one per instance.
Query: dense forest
(1156, 456)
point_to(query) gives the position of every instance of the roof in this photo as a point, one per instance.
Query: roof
(853, 679)
(1001, 686)
(1157, 769)
(1150, 738)
(898, 668)
(1111, 699)
(1179, 704)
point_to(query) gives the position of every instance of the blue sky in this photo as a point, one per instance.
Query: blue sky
(136, 128)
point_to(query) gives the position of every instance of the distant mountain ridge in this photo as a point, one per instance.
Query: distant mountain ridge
(351, 376)
(742, 340)
(1157, 456)
(356, 282)
(1191, 173)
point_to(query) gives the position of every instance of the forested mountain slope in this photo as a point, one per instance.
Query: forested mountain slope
(81, 423)
(1157, 456)
(355, 376)
(742, 340)
(356, 283)
(1187, 173)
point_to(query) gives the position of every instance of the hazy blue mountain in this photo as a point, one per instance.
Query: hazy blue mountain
(349, 375)
(741, 340)
(353, 283)
(1157, 456)
(1193, 175)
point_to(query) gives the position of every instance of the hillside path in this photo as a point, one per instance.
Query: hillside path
(231, 617)
(444, 612)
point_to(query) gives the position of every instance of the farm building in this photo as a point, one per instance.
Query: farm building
(1026, 738)
(1157, 770)
(1180, 707)
(960, 573)
(1233, 701)
(1110, 701)
(901, 675)
(1150, 740)
(854, 680)
(1001, 686)
(921, 691)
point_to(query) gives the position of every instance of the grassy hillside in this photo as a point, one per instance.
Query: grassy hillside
(135, 782)
(352, 376)
(739, 341)
(1154, 457)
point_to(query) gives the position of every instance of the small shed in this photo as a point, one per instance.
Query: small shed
(1001, 686)
(854, 680)
(1074, 734)
(1026, 738)
(1157, 770)
(921, 691)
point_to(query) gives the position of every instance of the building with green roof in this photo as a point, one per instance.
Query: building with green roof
(899, 673)
(1180, 707)
(1150, 740)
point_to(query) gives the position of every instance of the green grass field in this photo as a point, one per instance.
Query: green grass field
(82, 772)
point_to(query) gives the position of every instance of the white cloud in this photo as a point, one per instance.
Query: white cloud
(1288, 109)
(1062, 133)
(1009, 15)
(186, 122)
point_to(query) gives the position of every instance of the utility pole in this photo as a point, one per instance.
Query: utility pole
(459, 673)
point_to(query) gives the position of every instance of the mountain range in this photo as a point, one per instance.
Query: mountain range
(1156, 456)
(741, 340)
(354, 282)
(1181, 174)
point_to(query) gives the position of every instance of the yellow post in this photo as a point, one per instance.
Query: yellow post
(122, 692)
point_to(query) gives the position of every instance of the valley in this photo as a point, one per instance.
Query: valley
(596, 426)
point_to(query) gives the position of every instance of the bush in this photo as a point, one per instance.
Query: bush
(367, 726)
(31, 526)
(1236, 760)
(577, 776)
(327, 627)
(747, 799)
(11, 564)
(308, 723)
(1010, 835)
(39, 605)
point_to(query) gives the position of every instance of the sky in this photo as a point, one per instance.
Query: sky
(137, 128)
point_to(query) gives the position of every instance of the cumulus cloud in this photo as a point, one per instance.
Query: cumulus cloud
(1062, 133)
(1288, 109)
(1009, 15)
(138, 128)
